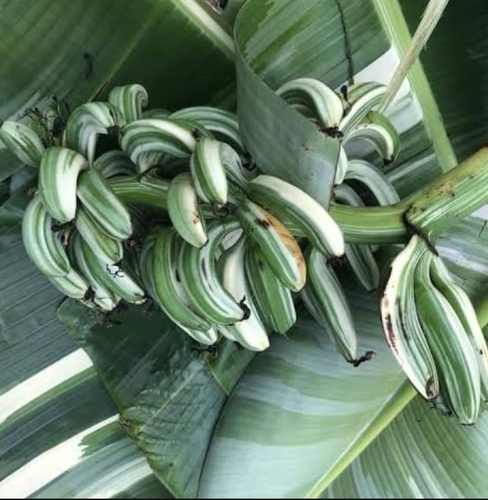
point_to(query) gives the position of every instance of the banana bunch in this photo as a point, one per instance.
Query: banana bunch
(432, 329)
(222, 258)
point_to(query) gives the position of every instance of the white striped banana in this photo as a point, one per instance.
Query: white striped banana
(199, 275)
(58, 179)
(107, 248)
(271, 298)
(321, 101)
(130, 100)
(148, 141)
(23, 142)
(450, 345)
(87, 122)
(374, 179)
(221, 122)
(325, 299)
(72, 285)
(380, 133)
(404, 333)
(291, 203)
(460, 302)
(105, 208)
(208, 172)
(250, 332)
(361, 99)
(41, 243)
(114, 163)
(184, 212)
(277, 244)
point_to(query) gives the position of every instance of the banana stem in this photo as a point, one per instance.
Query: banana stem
(380, 225)
(449, 198)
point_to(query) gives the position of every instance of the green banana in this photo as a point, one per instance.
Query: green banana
(148, 189)
(72, 285)
(184, 212)
(291, 203)
(404, 333)
(103, 295)
(277, 244)
(250, 332)
(102, 245)
(150, 140)
(87, 122)
(130, 100)
(273, 300)
(208, 172)
(58, 178)
(325, 299)
(451, 347)
(198, 272)
(374, 179)
(378, 131)
(460, 302)
(341, 167)
(223, 123)
(167, 283)
(320, 101)
(114, 163)
(361, 99)
(23, 142)
(41, 243)
(105, 208)
(113, 277)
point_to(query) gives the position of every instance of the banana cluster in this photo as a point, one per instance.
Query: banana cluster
(230, 249)
(432, 329)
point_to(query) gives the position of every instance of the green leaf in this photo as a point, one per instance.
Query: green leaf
(168, 396)
(57, 432)
(420, 455)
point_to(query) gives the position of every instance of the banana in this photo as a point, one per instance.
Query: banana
(341, 167)
(130, 100)
(100, 201)
(149, 140)
(103, 295)
(325, 299)
(198, 273)
(41, 243)
(112, 277)
(23, 142)
(87, 122)
(184, 212)
(320, 100)
(277, 244)
(378, 131)
(166, 281)
(404, 333)
(159, 113)
(72, 285)
(272, 299)
(148, 189)
(58, 178)
(451, 347)
(291, 203)
(250, 332)
(114, 163)
(460, 302)
(221, 122)
(101, 244)
(359, 257)
(208, 172)
(374, 179)
(237, 175)
(361, 99)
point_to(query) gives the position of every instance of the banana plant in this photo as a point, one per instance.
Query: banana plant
(130, 406)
